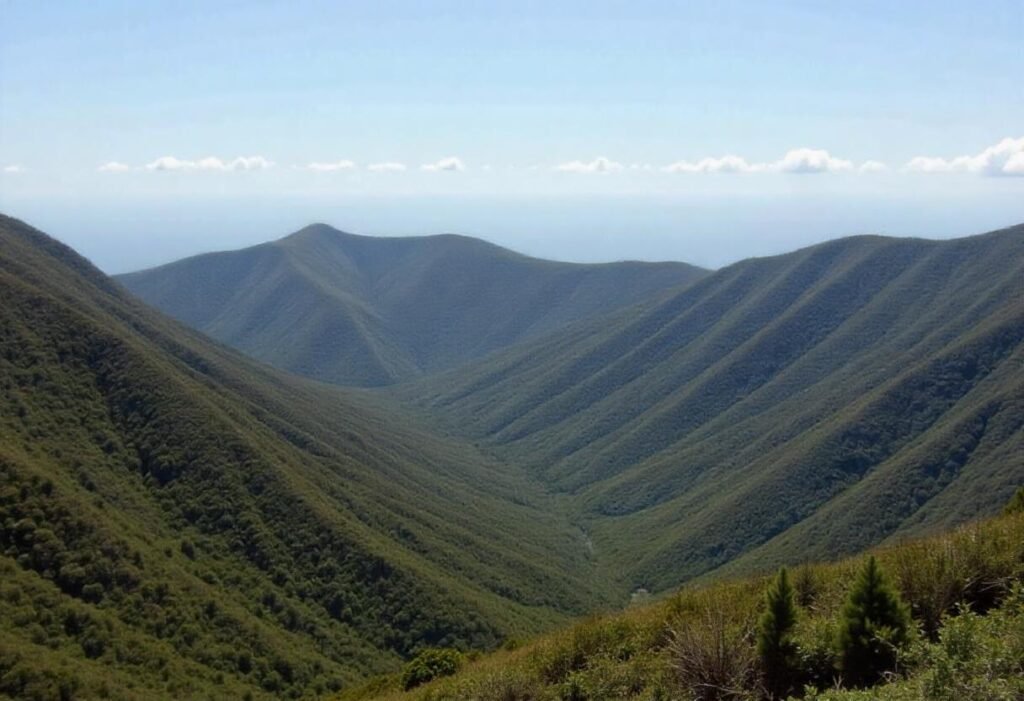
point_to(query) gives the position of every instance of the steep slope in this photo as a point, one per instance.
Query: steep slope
(177, 521)
(799, 406)
(366, 311)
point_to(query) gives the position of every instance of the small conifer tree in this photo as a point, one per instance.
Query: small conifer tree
(1016, 503)
(775, 646)
(874, 625)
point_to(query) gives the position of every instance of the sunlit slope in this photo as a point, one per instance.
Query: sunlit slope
(360, 310)
(808, 404)
(178, 521)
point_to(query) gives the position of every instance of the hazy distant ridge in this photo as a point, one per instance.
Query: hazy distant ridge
(368, 311)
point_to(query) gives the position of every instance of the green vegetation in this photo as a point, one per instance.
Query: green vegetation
(699, 643)
(775, 646)
(179, 522)
(357, 310)
(801, 406)
(873, 628)
(430, 664)
(1016, 504)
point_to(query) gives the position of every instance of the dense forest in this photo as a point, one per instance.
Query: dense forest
(178, 521)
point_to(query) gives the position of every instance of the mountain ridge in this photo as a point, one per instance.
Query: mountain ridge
(370, 311)
(681, 416)
(260, 533)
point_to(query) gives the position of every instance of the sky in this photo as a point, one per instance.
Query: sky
(589, 131)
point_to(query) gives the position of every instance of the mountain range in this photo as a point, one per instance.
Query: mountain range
(800, 406)
(521, 441)
(358, 310)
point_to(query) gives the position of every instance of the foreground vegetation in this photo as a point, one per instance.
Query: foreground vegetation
(962, 594)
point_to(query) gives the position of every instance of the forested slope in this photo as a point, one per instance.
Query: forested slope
(178, 521)
(804, 405)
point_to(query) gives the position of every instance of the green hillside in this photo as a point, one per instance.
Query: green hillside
(366, 311)
(180, 521)
(800, 406)
(177, 521)
(964, 639)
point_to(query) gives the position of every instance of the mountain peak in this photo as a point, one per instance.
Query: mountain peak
(366, 310)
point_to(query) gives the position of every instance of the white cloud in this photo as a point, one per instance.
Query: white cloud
(872, 167)
(598, 165)
(14, 169)
(1004, 158)
(800, 160)
(451, 164)
(725, 164)
(114, 167)
(331, 167)
(809, 160)
(210, 163)
(927, 164)
(387, 167)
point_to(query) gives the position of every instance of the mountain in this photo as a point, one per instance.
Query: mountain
(358, 310)
(177, 521)
(781, 409)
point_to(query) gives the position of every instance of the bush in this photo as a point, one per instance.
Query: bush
(873, 627)
(979, 656)
(816, 651)
(430, 664)
(713, 656)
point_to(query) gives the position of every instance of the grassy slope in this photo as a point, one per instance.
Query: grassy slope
(367, 311)
(632, 655)
(177, 521)
(798, 406)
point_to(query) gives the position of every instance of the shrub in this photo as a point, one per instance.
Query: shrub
(873, 627)
(816, 651)
(775, 646)
(713, 656)
(430, 664)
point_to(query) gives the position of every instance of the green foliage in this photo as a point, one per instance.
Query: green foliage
(775, 646)
(700, 643)
(794, 407)
(1016, 503)
(874, 626)
(430, 664)
(179, 522)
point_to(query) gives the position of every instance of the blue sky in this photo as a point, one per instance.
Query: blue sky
(139, 132)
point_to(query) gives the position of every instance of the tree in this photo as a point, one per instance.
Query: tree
(1016, 503)
(775, 646)
(431, 663)
(874, 625)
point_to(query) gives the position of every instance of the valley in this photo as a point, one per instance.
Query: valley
(491, 471)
